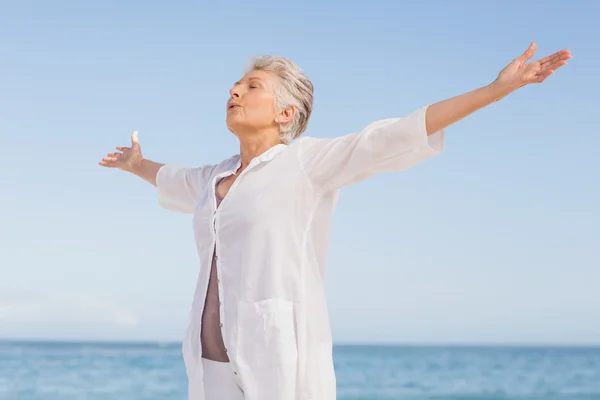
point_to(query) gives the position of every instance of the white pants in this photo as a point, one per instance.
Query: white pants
(219, 381)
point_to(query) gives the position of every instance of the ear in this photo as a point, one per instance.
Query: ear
(285, 115)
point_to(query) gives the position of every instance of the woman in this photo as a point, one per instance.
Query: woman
(259, 328)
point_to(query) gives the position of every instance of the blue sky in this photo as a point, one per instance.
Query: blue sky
(494, 241)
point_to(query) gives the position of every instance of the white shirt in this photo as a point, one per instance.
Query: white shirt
(272, 234)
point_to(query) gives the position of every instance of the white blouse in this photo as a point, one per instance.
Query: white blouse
(271, 233)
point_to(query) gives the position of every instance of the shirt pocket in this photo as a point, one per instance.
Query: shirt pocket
(266, 333)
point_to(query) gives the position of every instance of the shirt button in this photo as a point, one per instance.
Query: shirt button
(221, 324)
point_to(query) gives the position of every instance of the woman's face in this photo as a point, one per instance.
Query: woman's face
(251, 107)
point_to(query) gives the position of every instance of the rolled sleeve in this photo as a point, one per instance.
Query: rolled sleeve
(180, 188)
(394, 144)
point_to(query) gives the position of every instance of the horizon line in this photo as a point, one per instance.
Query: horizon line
(335, 343)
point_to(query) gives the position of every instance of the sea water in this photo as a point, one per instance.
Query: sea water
(149, 371)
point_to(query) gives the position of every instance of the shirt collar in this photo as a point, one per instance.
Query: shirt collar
(268, 155)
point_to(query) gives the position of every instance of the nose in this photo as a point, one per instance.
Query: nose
(234, 93)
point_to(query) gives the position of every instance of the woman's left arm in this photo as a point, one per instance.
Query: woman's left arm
(516, 74)
(396, 144)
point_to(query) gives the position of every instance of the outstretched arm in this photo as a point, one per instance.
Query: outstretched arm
(147, 170)
(179, 187)
(516, 75)
(396, 144)
(130, 159)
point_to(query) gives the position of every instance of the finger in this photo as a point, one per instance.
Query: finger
(550, 58)
(558, 64)
(528, 53)
(134, 138)
(110, 159)
(551, 66)
(123, 148)
(541, 78)
(556, 57)
(543, 75)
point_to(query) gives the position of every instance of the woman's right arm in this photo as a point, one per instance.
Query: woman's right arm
(147, 170)
(179, 188)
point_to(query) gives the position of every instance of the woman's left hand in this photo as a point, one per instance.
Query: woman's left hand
(518, 74)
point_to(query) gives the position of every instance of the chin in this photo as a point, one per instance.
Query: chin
(232, 124)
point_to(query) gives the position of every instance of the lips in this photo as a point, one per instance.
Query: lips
(232, 106)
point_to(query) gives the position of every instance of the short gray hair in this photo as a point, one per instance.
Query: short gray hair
(295, 89)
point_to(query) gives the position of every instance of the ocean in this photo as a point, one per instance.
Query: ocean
(146, 371)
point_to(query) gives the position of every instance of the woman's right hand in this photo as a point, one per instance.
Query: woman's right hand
(130, 159)
(127, 159)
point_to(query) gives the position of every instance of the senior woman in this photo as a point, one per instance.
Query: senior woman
(259, 327)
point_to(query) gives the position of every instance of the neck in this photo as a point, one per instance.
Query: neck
(252, 146)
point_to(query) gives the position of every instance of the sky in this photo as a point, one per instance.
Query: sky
(496, 240)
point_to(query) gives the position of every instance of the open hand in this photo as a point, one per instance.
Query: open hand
(518, 73)
(127, 159)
